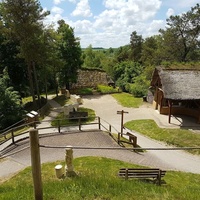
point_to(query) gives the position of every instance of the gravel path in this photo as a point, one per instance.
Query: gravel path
(106, 107)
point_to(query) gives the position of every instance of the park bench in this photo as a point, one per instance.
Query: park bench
(142, 173)
(78, 115)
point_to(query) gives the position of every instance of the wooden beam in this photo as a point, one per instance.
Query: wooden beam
(170, 110)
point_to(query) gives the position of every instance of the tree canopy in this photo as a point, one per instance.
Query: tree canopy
(10, 107)
(70, 53)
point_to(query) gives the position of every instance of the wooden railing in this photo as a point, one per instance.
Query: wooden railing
(22, 131)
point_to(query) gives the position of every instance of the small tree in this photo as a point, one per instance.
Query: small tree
(10, 107)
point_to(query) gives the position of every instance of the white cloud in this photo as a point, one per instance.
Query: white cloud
(170, 12)
(56, 2)
(84, 27)
(57, 10)
(82, 9)
(114, 25)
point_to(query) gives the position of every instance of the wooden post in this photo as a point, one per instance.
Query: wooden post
(35, 163)
(99, 122)
(126, 174)
(170, 111)
(79, 123)
(110, 130)
(122, 120)
(13, 137)
(59, 126)
(118, 138)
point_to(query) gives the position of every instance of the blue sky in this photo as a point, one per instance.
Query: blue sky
(109, 23)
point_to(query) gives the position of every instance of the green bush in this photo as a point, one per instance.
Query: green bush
(107, 89)
(139, 88)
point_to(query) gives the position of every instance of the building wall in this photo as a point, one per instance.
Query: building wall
(90, 78)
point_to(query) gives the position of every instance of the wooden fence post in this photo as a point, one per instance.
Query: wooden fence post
(118, 139)
(99, 122)
(79, 123)
(59, 126)
(35, 163)
(13, 137)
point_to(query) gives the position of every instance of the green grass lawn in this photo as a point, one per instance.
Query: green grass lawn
(128, 100)
(62, 120)
(97, 179)
(176, 137)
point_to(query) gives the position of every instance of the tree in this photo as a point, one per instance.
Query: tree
(70, 53)
(181, 37)
(10, 108)
(136, 46)
(23, 20)
(149, 51)
(15, 65)
(125, 73)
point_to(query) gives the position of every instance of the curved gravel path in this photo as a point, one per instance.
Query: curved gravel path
(106, 107)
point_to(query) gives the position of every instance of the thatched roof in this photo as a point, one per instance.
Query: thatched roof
(178, 84)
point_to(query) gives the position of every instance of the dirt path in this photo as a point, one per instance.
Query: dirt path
(106, 107)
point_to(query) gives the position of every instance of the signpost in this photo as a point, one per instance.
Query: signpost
(122, 119)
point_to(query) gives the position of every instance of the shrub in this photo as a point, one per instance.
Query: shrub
(107, 89)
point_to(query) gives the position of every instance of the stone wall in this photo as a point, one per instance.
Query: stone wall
(91, 78)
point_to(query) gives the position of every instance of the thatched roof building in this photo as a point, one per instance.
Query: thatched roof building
(182, 84)
(176, 91)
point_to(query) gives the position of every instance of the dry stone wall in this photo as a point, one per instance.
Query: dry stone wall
(91, 78)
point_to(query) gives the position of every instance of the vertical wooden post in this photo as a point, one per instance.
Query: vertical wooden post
(170, 111)
(35, 163)
(122, 123)
(126, 174)
(59, 126)
(79, 123)
(118, 138)
(13, 137)
(110, 130)
(122, 119)
(99, 122)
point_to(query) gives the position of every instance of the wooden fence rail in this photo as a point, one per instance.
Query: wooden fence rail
(12, 133)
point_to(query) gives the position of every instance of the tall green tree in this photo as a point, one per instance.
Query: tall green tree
(136, 46)
(149, 51)
(15, 65)
(70, 53)
(10, 107)
(23, 20)
(181, 37)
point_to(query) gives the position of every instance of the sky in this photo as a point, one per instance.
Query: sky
(109, 23)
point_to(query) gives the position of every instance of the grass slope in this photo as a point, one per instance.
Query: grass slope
(97, 179)
(176, 137)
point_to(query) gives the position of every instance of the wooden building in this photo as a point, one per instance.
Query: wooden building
(176, 92)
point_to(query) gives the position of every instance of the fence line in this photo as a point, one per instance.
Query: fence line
(79, 124)
(105, 148)
(120, 148)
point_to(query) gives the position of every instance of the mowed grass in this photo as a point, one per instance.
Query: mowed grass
(128, 100)
(176, 137)
(97, 179)
(62, 120)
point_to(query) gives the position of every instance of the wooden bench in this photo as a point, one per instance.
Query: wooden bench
(77, 115)
(155, 174)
